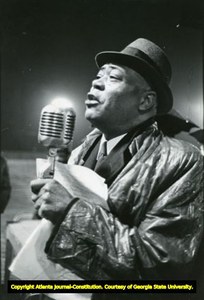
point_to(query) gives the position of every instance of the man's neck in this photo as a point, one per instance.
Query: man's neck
(144, 124)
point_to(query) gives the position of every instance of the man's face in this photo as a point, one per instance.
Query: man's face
(114, 97)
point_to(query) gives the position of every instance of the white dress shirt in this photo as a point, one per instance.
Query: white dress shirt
(110, 143)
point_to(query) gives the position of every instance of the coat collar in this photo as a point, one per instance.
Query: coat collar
(133, 147)
(121, 154)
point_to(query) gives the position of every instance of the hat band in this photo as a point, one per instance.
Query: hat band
(138, 53)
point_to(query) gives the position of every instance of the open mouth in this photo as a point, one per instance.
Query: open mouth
(92, 100)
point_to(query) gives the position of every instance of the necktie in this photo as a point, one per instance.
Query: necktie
(102, 154)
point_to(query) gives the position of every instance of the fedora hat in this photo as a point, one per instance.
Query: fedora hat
(147, 59)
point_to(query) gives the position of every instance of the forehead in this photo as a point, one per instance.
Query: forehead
(120, 68)
(123, 70)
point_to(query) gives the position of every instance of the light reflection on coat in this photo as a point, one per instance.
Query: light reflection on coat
(155, 224)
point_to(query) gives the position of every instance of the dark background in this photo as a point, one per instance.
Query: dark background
(48, 50)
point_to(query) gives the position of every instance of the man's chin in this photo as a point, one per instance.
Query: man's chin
(90, 115)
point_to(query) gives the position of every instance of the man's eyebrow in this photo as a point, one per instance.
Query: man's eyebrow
(111, 67)
(102, 68)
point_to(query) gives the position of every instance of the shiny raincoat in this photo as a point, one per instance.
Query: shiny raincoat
(155, 224)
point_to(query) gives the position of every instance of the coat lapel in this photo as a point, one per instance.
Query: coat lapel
(116, 160)
(89, 158)
(113, 163)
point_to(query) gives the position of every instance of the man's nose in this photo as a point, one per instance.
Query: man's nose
(98, 83)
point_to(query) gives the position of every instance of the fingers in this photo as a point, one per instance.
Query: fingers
(62, 155)
(40, 211)
(50, 198)
(39, 188)
(37, 184)
(44, 193)
(38, 203)
(38, 199)
(42, 189)
(47, 213)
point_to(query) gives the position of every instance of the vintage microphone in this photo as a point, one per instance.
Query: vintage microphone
(56, 128)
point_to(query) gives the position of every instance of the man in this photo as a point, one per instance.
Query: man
(153, 227)
(5, 187)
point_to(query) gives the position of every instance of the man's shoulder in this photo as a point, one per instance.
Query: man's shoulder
(180, 149)
(180, 145)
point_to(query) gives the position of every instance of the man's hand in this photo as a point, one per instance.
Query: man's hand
(50, 198)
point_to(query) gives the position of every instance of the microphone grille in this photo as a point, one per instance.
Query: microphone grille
(69, 127)
(51, 124)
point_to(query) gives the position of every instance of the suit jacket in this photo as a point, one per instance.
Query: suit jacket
(154, 227)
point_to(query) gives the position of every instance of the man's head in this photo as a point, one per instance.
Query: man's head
(128, 89)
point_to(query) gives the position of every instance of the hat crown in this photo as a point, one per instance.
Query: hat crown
(154, 53)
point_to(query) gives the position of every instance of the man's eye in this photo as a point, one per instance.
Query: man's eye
(114, 77)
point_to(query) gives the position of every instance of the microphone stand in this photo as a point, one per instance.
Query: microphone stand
(56, 154)
(49, 172)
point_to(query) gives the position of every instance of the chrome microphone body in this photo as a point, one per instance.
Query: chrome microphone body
(56, 130)
(56, 126)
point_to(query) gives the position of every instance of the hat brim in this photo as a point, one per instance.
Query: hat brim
(151, 75)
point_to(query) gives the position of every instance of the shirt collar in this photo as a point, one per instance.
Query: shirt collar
(110, 143)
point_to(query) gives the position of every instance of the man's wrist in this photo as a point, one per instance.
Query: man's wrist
(59, 222)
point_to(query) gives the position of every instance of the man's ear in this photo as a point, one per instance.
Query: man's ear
(148, 100)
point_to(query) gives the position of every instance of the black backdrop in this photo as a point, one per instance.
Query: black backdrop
(48, 49)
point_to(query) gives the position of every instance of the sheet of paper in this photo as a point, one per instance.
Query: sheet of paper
(79, 181)
(31, 263)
